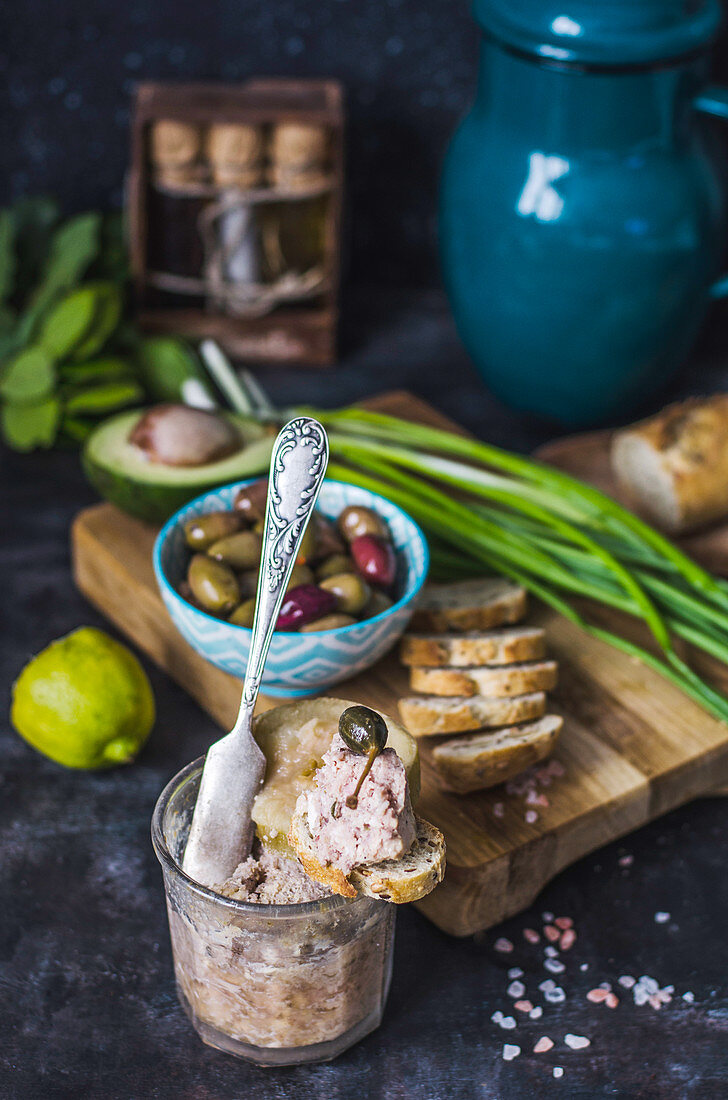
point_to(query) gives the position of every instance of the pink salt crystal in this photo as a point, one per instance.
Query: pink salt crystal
(510, 1051)
(531, 817)
(543, 1045)
(596, 996)
(568, 939)
(523, 1006)
(531, 797)
(552, 934)
(655, 1000)
(542, 800)
(503, 945)
(611, 1000)
(531, 935)
(556, 768)
(577, 1042)
(498, 809)
(564, 922)
(626, 861)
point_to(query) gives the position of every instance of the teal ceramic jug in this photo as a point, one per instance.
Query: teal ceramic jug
(583, 201)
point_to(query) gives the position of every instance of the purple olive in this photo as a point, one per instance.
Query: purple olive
(375, 560)
(305, 604)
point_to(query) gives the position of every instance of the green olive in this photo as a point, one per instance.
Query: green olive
(351, 591)
(243, 614)
(250, 500)
(356, 521)
(213, 584)
(376, 604)
(202, 531)
(248, 581)
(336, 563)
(300, 574)
(307, 549)
(364, 732)
(239, 551)
(327, 622)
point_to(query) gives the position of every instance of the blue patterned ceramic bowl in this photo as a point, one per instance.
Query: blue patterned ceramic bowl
(298, 664)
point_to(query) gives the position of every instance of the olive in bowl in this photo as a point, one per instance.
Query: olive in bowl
(320, 651)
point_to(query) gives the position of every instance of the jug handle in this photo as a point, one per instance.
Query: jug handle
(713, 100)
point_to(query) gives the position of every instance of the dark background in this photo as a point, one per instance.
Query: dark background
(409, 67)
(87, 1003)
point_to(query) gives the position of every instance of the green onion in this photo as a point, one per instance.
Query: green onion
(485, 509)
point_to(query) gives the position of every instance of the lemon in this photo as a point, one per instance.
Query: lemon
(84, 701)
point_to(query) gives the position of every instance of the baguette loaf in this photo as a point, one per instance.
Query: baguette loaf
(469, 605)
(674, 466)
(429, 716)
(399, 881)
(496, 647)
(498, 681)
(465, 764)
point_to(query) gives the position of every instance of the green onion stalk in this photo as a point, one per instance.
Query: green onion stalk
(487, 509)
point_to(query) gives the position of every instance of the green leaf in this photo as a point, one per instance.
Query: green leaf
(75, 430)
(7, 254)
(106, 369)
(28, 377)
(113, 260)
(73, 247)
(34, 218)
(165, 365)
(26, 427)
(106, 318)
(105, 398)
(8, 320)
(69, 322)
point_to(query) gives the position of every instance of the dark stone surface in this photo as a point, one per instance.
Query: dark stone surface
(87, 1001)
(409, 68)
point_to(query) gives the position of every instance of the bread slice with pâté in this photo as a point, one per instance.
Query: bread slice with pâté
(502, 680)
(402, 880)
(469, 605)
(476, 647)
(464, 764)
(426, 716)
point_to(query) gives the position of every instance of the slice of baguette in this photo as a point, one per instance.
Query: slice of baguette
(466, 764)
(495, 647)
(674, 466)
(469, 605)
(410, 878)
(503, 680)
(427, 716)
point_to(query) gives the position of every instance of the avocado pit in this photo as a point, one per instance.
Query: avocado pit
(178, 435)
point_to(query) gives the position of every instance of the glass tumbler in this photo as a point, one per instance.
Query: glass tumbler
(276, 984)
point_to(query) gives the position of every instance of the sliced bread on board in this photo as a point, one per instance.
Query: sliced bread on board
(503, 680)
(397, 880)
(477, 647)
(465, 764)
(426, 716)
(469, 605)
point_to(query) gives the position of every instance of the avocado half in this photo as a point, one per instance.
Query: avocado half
(151, 491)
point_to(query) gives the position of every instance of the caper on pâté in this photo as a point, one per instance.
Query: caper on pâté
(364, 732)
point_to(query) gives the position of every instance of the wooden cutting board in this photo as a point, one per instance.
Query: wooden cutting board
(633, 747)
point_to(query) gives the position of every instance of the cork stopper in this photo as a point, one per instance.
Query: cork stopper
(298, 155)
(235, 152)
(176, 149)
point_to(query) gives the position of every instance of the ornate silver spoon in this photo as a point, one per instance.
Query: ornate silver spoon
(221, 834)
